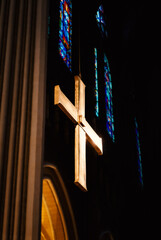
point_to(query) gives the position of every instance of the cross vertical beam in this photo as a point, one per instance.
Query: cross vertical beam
(80, 136)
(80, 158)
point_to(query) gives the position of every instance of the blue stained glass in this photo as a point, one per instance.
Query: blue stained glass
(101, 21)
(138, 153)
(96, 84)
(108, 99)
(48, 26)
(65, 32)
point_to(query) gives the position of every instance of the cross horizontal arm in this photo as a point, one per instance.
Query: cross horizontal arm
(92, 137)
(66, 106)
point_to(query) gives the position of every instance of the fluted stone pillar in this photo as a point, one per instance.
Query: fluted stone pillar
(23, 35)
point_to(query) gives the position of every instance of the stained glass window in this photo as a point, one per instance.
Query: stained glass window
(138, 153)
(96, 84)
(48, 26)
(101, 20)
(65, 32)
(108, 99)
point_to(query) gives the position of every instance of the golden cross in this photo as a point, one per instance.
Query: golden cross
(82, 130)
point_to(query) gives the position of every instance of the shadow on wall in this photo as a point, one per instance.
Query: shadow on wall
(106, 236)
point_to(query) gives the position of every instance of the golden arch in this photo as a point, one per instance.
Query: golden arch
(53, 224)
(57, 219)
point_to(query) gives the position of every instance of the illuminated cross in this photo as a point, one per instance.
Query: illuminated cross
(82, 130)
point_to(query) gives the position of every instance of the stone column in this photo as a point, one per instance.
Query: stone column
(23, 46)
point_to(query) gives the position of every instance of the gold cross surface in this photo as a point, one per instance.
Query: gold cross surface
(82, 130)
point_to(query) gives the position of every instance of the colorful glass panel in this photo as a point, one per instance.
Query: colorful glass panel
(96, 84)
(65, 32)
(138, 153)
(108, 99)
(48, 26)
(101, 20)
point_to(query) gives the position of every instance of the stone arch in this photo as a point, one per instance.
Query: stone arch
(57, 218)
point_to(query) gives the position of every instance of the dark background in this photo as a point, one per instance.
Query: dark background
(115, 200)
(136, 49)
(135, 42)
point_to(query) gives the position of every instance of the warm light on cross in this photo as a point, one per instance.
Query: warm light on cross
(82, 130)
